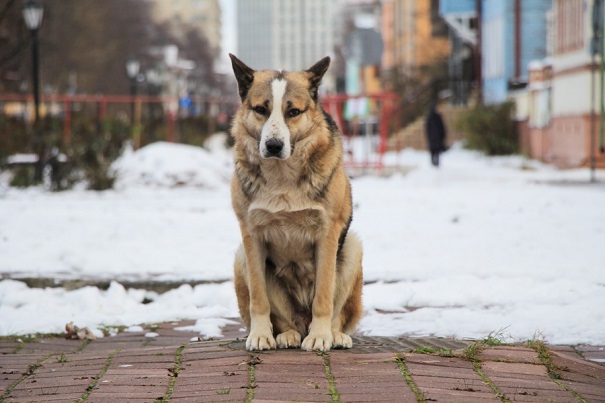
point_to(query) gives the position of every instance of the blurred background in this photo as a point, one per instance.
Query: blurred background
(79, 79)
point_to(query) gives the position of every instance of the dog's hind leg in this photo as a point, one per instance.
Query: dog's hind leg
(241, 287)
(348, 307)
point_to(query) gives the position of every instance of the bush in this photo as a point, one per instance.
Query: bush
(94, 147)
(490, 129)
(14, 137)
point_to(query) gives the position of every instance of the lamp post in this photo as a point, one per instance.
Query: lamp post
(154, 82)
(33, 11)
(132, 71)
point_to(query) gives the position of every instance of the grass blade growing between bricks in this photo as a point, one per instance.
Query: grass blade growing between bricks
(488, 382)
(173, 373)
(331, 381)
(545, 357)
(30, 371)
(96, 379)
(408, 378)
(252, 362)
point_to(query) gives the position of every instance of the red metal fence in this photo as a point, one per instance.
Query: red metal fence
(117, 106)
(366, 121)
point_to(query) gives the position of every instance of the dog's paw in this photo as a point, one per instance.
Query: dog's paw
(288, 339)
(317, 342)
(256, 342)
(342, 340)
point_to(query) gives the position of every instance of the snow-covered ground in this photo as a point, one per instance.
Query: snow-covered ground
(481, 245)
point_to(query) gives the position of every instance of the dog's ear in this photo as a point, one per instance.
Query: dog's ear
(243, 74)
(317, 71)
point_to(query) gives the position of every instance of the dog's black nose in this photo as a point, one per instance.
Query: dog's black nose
(274, 146)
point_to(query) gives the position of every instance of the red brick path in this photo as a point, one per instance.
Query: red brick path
(132, 368)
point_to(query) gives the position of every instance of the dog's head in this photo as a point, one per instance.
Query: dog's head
(278, 108)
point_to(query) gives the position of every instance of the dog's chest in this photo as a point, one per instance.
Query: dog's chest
(290, 238)
(288, 224)
(288, 235)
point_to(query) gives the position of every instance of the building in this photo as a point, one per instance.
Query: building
(560, 113)
(285, 34)
(513, 34)
(464, 62)
(255, 34)
(204, 15)
(415, 37)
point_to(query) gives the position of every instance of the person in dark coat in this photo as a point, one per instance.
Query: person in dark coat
(435, 134)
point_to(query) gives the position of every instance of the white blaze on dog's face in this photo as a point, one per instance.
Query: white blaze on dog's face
(275, 135)
(275, 105)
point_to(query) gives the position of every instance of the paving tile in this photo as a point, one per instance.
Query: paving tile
(447, 379)
(8, 347)
(589, 391)
(213, 371)
(126, 368)
(578, 365)
(509, 354)
(451, 396)
(524, 382)
(369, 379)
(53, 345)
(514, 370)
(442, 372)
(278, 401)
(293, 395)
(13, 367)
(344, 356)
(305, 373)
(59, 397)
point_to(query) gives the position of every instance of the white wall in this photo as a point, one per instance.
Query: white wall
(571, 93)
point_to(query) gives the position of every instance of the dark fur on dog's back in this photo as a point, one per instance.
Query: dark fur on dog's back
(298, 272)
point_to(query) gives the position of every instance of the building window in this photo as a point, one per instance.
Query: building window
(569, 25)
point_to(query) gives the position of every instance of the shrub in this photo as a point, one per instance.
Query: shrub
(94, 147)
(14, 137)
(490, 129)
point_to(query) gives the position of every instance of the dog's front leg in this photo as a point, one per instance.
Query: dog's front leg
(261, 330)
(320, 331)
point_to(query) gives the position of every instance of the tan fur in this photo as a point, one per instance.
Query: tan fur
(298, 275)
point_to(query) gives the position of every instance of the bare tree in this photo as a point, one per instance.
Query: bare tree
(84, 45)
(14, 40)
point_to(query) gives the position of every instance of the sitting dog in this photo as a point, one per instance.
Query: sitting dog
(298, 275)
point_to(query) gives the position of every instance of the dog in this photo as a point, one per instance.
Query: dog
(298, 272)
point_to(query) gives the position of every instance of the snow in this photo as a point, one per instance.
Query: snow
(479, 246)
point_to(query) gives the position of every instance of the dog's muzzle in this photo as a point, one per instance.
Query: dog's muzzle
(274, 148)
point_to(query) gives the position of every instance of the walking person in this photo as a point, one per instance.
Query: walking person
(435, 133)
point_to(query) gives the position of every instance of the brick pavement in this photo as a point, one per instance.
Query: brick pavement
(130, 367)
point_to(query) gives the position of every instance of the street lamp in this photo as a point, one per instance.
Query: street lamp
(154, 82)
(132, 71)
(33, 11)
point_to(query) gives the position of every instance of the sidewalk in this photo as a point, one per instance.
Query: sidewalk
(130, 367)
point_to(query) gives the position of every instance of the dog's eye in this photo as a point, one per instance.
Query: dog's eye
(261, 110)
(294, 112)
